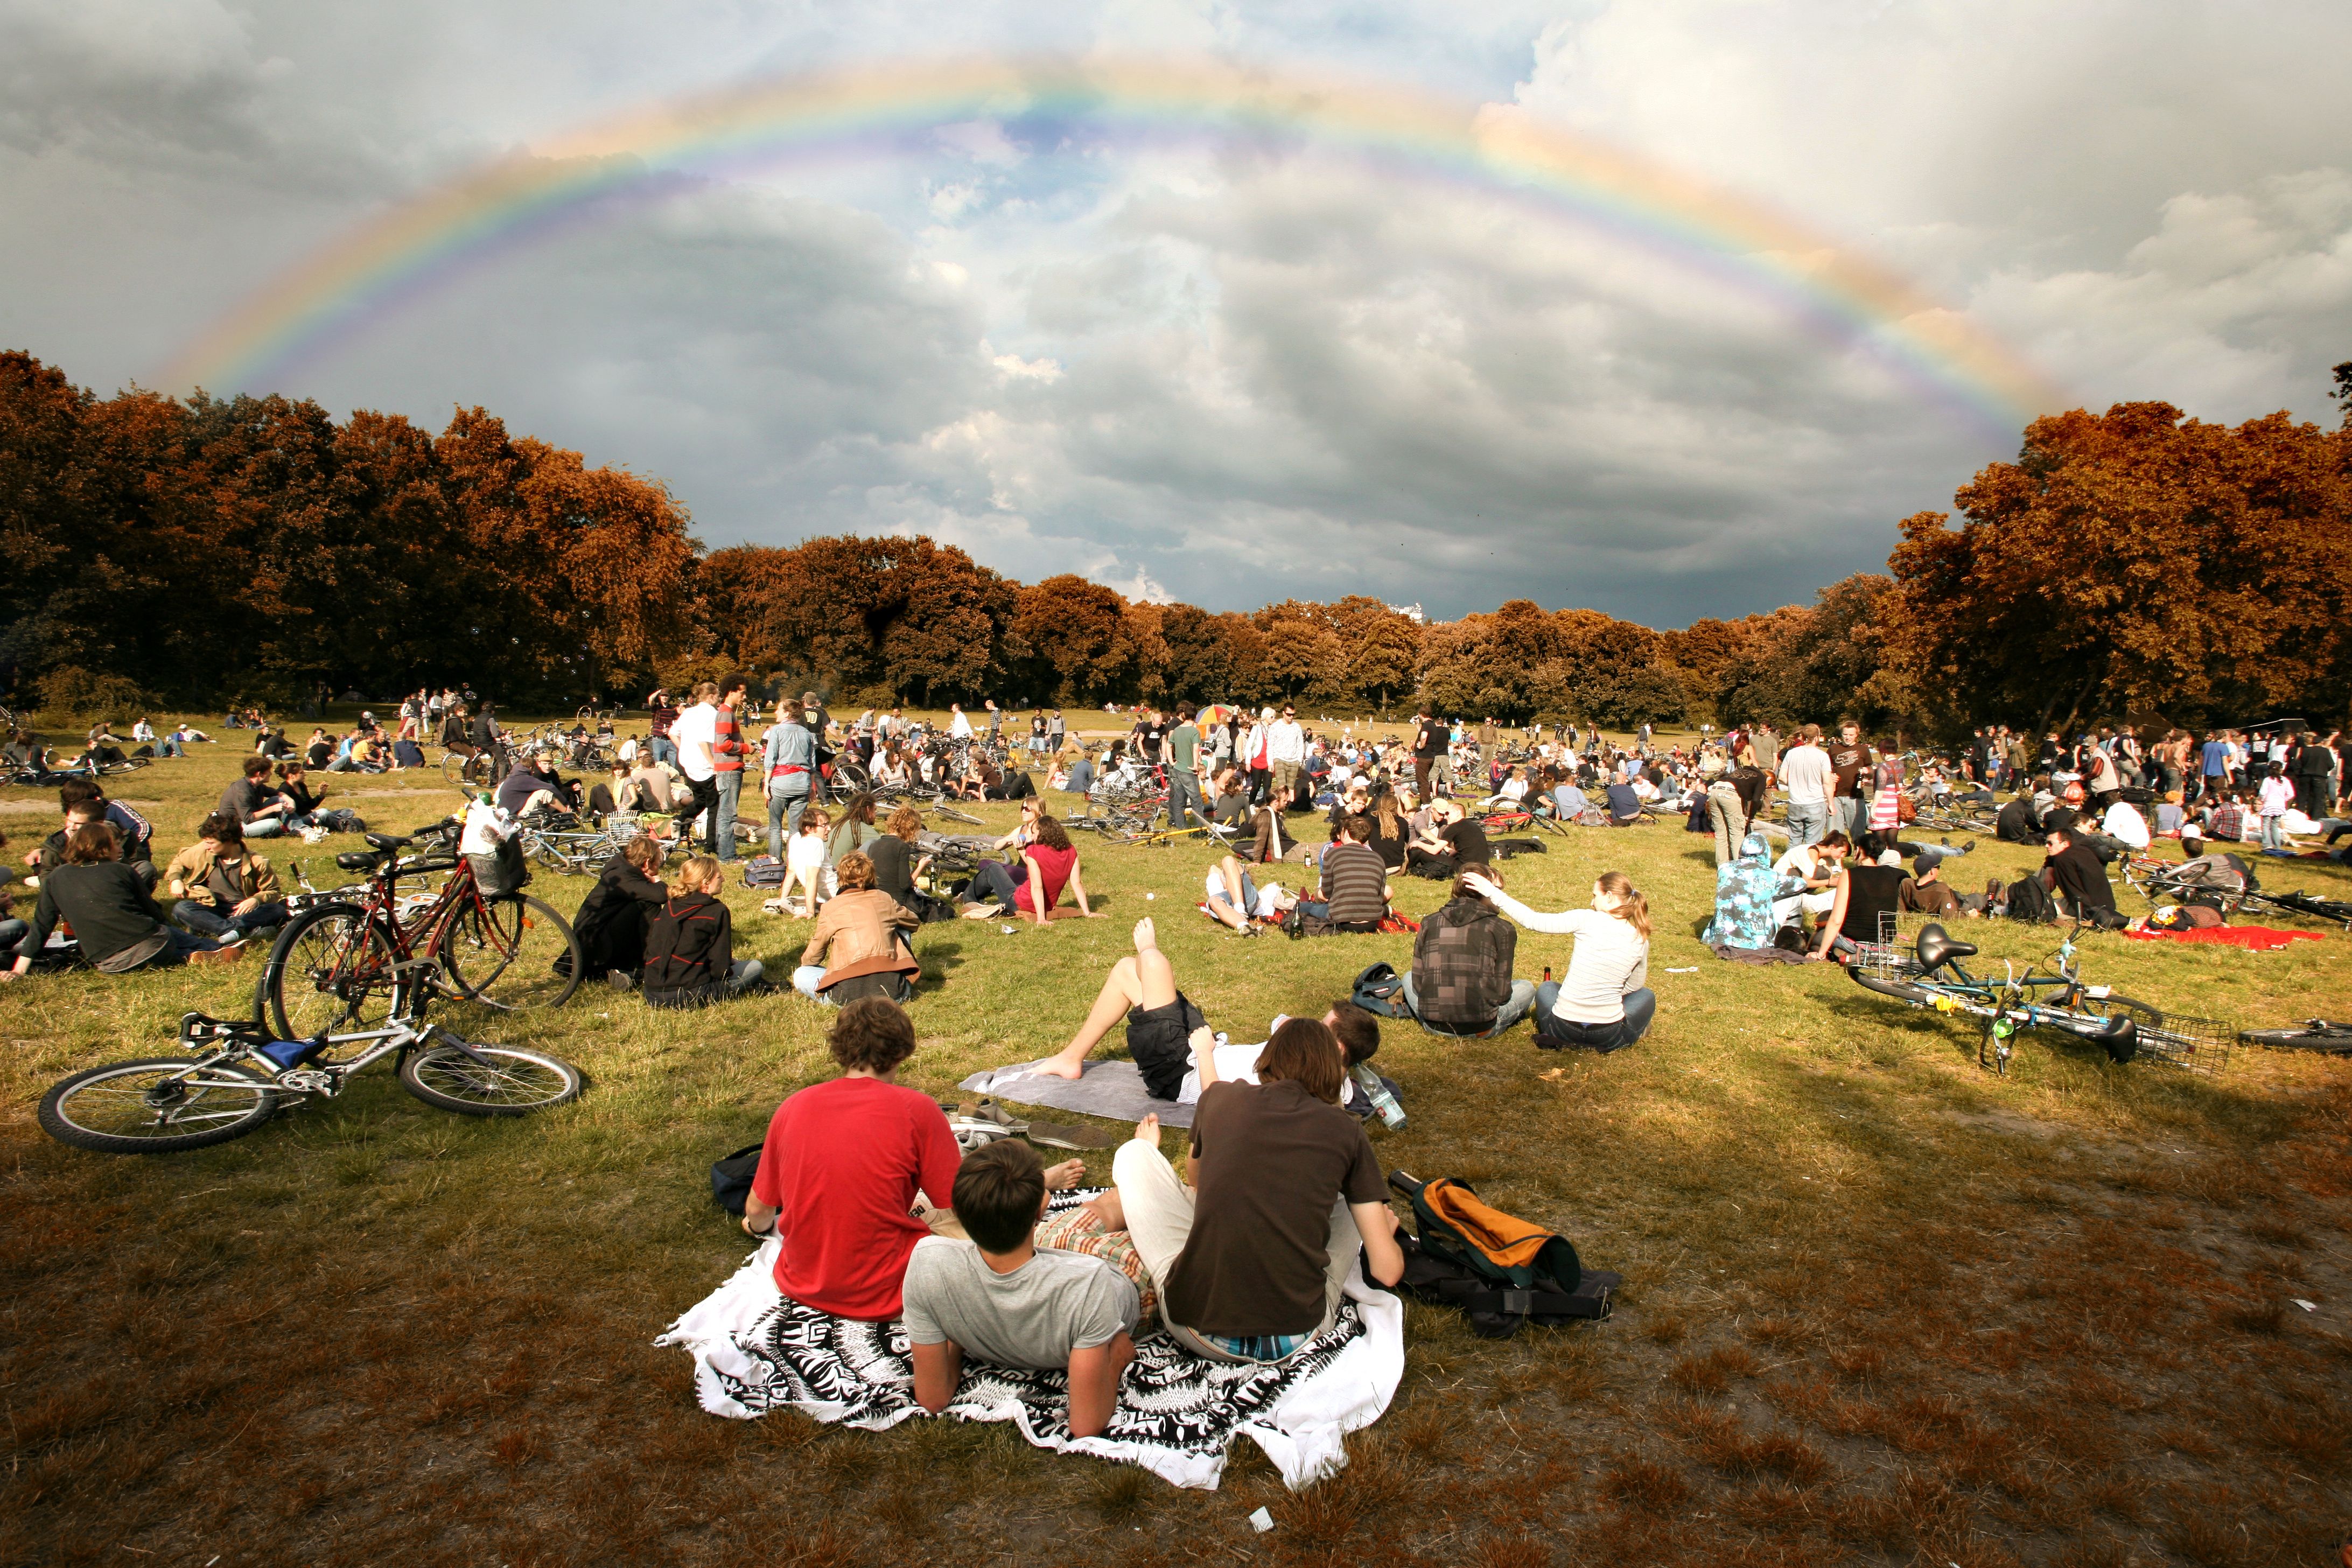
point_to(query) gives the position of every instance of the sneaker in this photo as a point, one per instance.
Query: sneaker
(619, 979)
(218, 955)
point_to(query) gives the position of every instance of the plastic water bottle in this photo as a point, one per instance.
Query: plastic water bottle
(1378, 1093)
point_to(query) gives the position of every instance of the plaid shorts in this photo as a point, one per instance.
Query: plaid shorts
(1073, 1230)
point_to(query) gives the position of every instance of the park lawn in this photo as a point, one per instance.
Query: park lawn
(1878, 1306)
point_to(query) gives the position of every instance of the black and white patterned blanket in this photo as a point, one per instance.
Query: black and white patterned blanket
(755, 1351)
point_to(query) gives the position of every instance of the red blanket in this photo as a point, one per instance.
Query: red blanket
(2254, 939)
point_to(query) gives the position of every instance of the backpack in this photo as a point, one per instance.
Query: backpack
(763, 871)
(1502, 1271)
(730, 1178)
(1380, 991)
(2030, 901)
(1505, 848)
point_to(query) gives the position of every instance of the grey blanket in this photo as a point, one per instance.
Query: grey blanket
(1111, 1090)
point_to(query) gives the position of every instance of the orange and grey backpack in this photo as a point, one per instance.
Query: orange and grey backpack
(1501, 1271)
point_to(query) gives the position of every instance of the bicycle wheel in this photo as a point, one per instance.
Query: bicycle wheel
(952, 815)
(148, 1108)
(2331, 1039)
(512, 951)
(330, 970)
(515, 1083)
(848, 780)
(127, 766)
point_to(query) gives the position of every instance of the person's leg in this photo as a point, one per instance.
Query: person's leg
(199, 917)
(1523, 999)
(1410, 997)
(1641, 1009)
(1145, 979)
(722, 815)
(265, 828)
(1718, 816)
(746, 972)
(1806, 825)
(1230, 905)
(1547, 998)
(1342, 1247)
(1156, 1203)
(992, 884)
(258, 918)
(778, 805)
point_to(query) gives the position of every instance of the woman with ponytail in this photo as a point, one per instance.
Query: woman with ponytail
(1604, 1003)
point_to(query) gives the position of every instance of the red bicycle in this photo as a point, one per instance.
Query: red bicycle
(335, 963)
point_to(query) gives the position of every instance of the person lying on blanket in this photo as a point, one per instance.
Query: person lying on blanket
(1252, 1247)
(841, 1166)
(1000, 1297)
(1164, 1029)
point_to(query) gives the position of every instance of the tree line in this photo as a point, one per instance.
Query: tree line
(205, 551)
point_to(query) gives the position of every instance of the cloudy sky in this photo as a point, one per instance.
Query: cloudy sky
(1228, 369)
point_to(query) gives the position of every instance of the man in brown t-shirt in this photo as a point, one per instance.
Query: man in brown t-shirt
(1850, 761)
(1252, 1256)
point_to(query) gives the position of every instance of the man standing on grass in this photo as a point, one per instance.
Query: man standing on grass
(1184, 798)
(1428, 745)
(1850, 762)
(1805, 770)
(727, 750)
(1285, 745)
(697, 734)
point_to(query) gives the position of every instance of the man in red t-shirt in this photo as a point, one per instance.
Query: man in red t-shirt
(841, 1167)
(726, 749)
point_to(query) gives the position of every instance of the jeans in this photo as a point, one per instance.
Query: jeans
(784, 819)
(205, 921)
(1808, 823)
(1728, 815)
(1184, 799)
(176, 950)
(747, 971)
(12, 932)
(1249, 896)
(167, 747)
(994, 883)
(722, 815)
(664, 750)
(265, 828)
(1853, 812)
(1522, 1000)
(2273, 832)
(1553, 1031)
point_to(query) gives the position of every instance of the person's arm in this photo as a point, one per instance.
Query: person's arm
(940, 1368)
(1835, 920)
(44, 921)
(1563, 923)
(1377, 1224)
(759, 1219)
(1094, 1383)
(1078, 891)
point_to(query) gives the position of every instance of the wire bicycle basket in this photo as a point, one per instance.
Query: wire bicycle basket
(2196, 1045)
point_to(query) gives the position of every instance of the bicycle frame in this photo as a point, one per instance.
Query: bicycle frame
(2008, 1003)
(406, 1029)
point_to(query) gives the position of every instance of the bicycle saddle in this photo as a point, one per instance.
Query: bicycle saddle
(385, 840)
(1936, 949)
(2119, 1035)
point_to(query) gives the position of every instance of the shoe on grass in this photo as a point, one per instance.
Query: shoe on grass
(218, 955)
(619, 979)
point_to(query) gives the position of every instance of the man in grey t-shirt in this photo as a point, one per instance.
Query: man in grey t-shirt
(998, 1299)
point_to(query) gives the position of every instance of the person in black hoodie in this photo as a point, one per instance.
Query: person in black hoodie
(690, 946)
(2017, 822)
(2079, 876)
(114, 918)
(615, 916)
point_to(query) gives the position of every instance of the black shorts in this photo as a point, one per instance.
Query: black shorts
(1160, 1041)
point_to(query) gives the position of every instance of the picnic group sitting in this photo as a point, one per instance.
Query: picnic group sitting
(1241, 1258)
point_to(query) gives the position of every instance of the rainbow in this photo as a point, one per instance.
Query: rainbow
(403, 251)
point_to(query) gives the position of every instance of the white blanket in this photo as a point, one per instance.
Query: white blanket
(755, 1351)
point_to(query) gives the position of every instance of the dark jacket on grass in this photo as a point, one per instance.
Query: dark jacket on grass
(615, 916)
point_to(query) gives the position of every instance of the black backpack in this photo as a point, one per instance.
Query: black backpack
(1380, 991)
(1502, 1272)
(730, 1179)
(2030, 901)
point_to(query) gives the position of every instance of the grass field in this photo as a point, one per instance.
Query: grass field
(1879, 1306)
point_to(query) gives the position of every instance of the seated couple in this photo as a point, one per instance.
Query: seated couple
(1049, 863)
(115, 919)
(1165, 1033)
(1461, 980)
(1352, 890)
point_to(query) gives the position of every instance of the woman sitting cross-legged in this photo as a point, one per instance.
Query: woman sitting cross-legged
(842, 1167)
(691, 945)
(1050, 864)
(1252, 1247)
(1605, 1002)
(863, 931)
(618, 909)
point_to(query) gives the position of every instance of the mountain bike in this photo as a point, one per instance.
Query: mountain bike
(1932, 976)
(245, 1077)
(336, 960)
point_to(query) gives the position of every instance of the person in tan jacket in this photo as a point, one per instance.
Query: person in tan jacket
(224, 891)
(861, 931)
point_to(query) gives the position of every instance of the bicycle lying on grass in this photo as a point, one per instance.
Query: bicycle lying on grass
(164, 1105)
(2219, 881)
(1932, 976)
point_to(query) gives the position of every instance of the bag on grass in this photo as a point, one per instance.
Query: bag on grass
(1502, 1271)
(1380, 991)
(763, 871)
(1507, 848)
(730, 1179)
(2030, 901)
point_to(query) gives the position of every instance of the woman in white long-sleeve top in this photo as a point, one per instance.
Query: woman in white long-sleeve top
(1605, 1003)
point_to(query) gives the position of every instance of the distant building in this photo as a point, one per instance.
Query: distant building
(1412, 613)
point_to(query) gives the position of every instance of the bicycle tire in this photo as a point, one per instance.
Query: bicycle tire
(512, 951)
(62, 1120)
(2329, 1039)
(439, 1076)
(846, 782)
(339, 958)
(1901, 990)
(127, 766)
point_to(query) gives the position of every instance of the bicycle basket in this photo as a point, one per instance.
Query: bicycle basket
(2199, 1045)
(1887, 958)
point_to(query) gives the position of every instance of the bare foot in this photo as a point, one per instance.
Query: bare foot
(1148, 1130)
(1147, 935)
(1061, 1178)
(1060, 1066)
